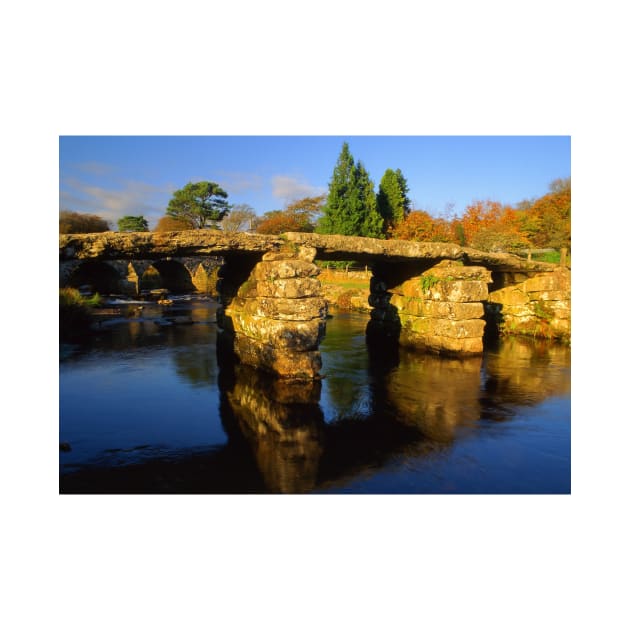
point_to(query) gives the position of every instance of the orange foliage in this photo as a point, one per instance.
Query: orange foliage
(171, 224)
(419, 225)
(490, 226)
(549, 219)
(296, 217)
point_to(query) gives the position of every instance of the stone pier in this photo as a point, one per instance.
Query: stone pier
(275, 317)
(439, 310)
(429, 296)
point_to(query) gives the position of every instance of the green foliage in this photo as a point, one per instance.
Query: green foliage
(392, 200)
(350, 208)
(75, 312)
(133, 224)
(428, 282)
(200, 204)
(78, 223)
(542, 312)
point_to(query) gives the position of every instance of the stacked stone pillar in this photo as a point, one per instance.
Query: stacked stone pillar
(276, 317)
(439, 310)
(539, 306)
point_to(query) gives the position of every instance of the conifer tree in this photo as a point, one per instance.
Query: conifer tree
(371, 221)
(351, 204)
(392, 200)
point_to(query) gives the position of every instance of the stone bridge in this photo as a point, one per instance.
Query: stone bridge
(431, 296)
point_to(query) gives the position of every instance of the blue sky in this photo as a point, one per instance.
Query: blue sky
(117, 175)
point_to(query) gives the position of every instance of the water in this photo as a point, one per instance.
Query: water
(148, 406)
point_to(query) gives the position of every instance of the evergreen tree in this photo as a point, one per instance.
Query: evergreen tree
(392, 200)
(351, 204)
(133, 224)
(371, 221)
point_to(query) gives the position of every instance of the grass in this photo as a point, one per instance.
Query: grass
(75, 312)
(551, 257)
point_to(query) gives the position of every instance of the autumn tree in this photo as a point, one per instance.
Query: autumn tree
(392, 200)
(350, 208)
(240, 218)
(297, 216)
(419, 225)
(133, 224)
(547, 220)
(490, 226)
(171, 224)
(80, 223)
(201, 204)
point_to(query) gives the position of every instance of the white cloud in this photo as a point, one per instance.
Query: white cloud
(131, 197)
(290, 188)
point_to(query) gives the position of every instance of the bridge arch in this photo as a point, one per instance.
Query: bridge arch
(170, 274)
(99, 275)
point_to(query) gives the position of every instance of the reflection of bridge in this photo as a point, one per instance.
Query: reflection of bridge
(278, 440)
(431, 296)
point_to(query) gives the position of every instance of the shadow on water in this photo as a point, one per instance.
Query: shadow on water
(390, 406)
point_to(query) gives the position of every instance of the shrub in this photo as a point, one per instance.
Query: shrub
(75, 312)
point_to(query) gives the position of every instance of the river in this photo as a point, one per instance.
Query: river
(150, 406)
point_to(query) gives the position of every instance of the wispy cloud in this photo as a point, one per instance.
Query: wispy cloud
(289, 188)
(128, 197)
(236, 182)
(94, 168)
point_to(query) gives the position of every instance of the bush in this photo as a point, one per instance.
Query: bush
(75, 312)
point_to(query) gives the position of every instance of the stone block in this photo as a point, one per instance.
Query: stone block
(290, 288)
(282, 269)
(444, 290)
(548, 296)
(512, 296)
(283, 309)
(297, 336)
(448, 270)
(441, 345)
(458, 329)
(545, 282)
(282, 362)
(430, 308)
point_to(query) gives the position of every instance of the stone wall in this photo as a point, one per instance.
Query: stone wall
(539, 306)
(439, 310)
(276, 317)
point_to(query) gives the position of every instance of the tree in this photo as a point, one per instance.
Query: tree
(371, 221)
(200, 204)
(491, 226)
(547, 221)
(78, 223)
(133, 224)
(350, 208)
(419, 225)
(241, 217)
(392, 200)
(297, 216)
(171, 224)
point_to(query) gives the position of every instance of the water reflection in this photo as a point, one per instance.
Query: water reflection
(525, 371)
(281, 422)
(435, 394)
(380, 409)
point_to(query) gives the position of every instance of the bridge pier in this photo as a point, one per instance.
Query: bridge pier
(439, 310)
(273, 311)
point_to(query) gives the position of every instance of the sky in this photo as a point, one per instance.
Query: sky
(113, 176)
